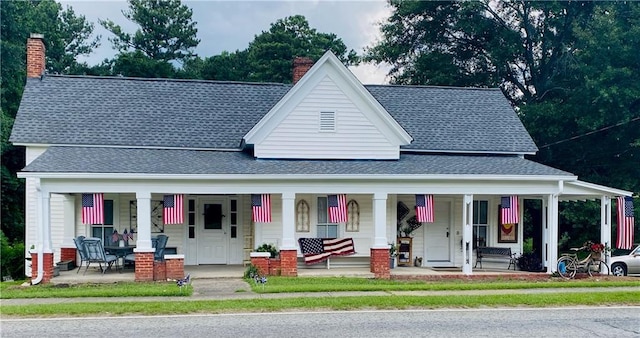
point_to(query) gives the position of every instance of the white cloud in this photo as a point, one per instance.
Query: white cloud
(231, 25)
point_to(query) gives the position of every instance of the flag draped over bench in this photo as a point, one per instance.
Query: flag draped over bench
(316, 250)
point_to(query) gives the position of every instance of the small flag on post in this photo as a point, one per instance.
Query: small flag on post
(93, 208)
(173, 209)
(626, 222)
(261, 208)
(509, 213)
(424, 208)
(337, 208)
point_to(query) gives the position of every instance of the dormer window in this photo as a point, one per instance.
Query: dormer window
(327, 121)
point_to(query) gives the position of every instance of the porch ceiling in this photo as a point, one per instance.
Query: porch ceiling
(97, 160)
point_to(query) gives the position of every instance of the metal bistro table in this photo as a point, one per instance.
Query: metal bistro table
(120, 252)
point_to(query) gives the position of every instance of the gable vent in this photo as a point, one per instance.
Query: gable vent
(327, 121)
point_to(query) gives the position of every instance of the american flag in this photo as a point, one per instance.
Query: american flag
(509, 213)
(261, 208)
(337, 208)
(173, 209)
(93, 208)
(316, 250)
(626, 223)
(424, 208)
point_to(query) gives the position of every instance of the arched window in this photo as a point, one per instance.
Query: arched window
(353, 216)
(302, 216)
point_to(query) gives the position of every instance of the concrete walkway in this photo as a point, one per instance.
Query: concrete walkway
(237, 288)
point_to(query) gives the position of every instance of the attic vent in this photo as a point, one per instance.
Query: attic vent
(327, 121)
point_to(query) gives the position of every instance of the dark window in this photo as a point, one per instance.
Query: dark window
(213, 216)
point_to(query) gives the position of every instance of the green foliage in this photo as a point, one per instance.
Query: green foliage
(167, 31)
(527, 245)
(268, 248)
(251, 271)
(393, 250)
(12, 259)
(67, 36)
(269, 57)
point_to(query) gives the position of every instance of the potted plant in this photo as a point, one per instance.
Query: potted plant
(270, 248)
(393, 252)
(529, 260)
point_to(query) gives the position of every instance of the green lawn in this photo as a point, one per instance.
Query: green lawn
(596, 295)
(336, 284)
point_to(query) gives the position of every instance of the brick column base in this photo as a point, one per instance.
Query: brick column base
(289, 263)
(159, 271)
(144, 266)
(47, 264)
(175, 268)
(380, 263)
(262, 263)
(68, 254)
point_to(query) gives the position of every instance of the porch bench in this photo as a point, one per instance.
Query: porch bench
(495, 252)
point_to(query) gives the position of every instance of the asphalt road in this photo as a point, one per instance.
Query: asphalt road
(521, 322)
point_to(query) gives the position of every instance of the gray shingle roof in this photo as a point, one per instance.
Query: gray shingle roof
(199, 162)
(84, 110)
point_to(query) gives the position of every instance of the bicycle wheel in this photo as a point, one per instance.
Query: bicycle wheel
(567, 267)
(598, 268)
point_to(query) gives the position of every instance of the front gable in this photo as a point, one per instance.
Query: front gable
(328, 114)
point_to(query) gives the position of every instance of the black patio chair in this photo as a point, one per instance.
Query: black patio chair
(96, 254)
(79, 242)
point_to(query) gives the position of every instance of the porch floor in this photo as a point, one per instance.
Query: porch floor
(93, 275)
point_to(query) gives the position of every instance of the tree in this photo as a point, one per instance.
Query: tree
(269, 57)
(167, 32)
(521, 46)
(270, 54)
(66, 37)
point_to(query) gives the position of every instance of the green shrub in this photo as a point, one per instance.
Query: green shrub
(11, 259)
(268, 248)
(251, 271)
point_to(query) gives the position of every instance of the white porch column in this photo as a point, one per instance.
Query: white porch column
(143, 200)
(552, 222)
(69, 215)
(46, 222)
(380, 221)
(288, 221)
(605, 225)
(467, 235)
(545, 233)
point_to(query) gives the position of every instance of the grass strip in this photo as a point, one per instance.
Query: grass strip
(325, 303)
(337, 284)
(119, 289)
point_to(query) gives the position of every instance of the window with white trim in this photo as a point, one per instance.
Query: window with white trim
(480, 223)
(324, 228)
(105, 231)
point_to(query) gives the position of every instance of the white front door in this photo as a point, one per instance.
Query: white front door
(437, 235)
(213, 232)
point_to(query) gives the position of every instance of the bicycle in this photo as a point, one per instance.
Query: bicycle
(569, 264)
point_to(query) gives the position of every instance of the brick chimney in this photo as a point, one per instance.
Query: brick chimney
(35, 55)
(300, 67)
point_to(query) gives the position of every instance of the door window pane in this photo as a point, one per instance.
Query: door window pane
(213, 216)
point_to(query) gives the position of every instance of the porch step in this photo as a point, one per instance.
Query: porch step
(337, 262)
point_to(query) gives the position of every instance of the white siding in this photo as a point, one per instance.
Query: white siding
(299, 135)
(31, 199)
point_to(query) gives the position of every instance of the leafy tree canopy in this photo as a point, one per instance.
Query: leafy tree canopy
(269, 57)
(167, 31)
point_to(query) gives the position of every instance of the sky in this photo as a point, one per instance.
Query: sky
(231, 25)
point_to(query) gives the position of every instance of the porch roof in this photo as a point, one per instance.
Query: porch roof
(99, 160)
